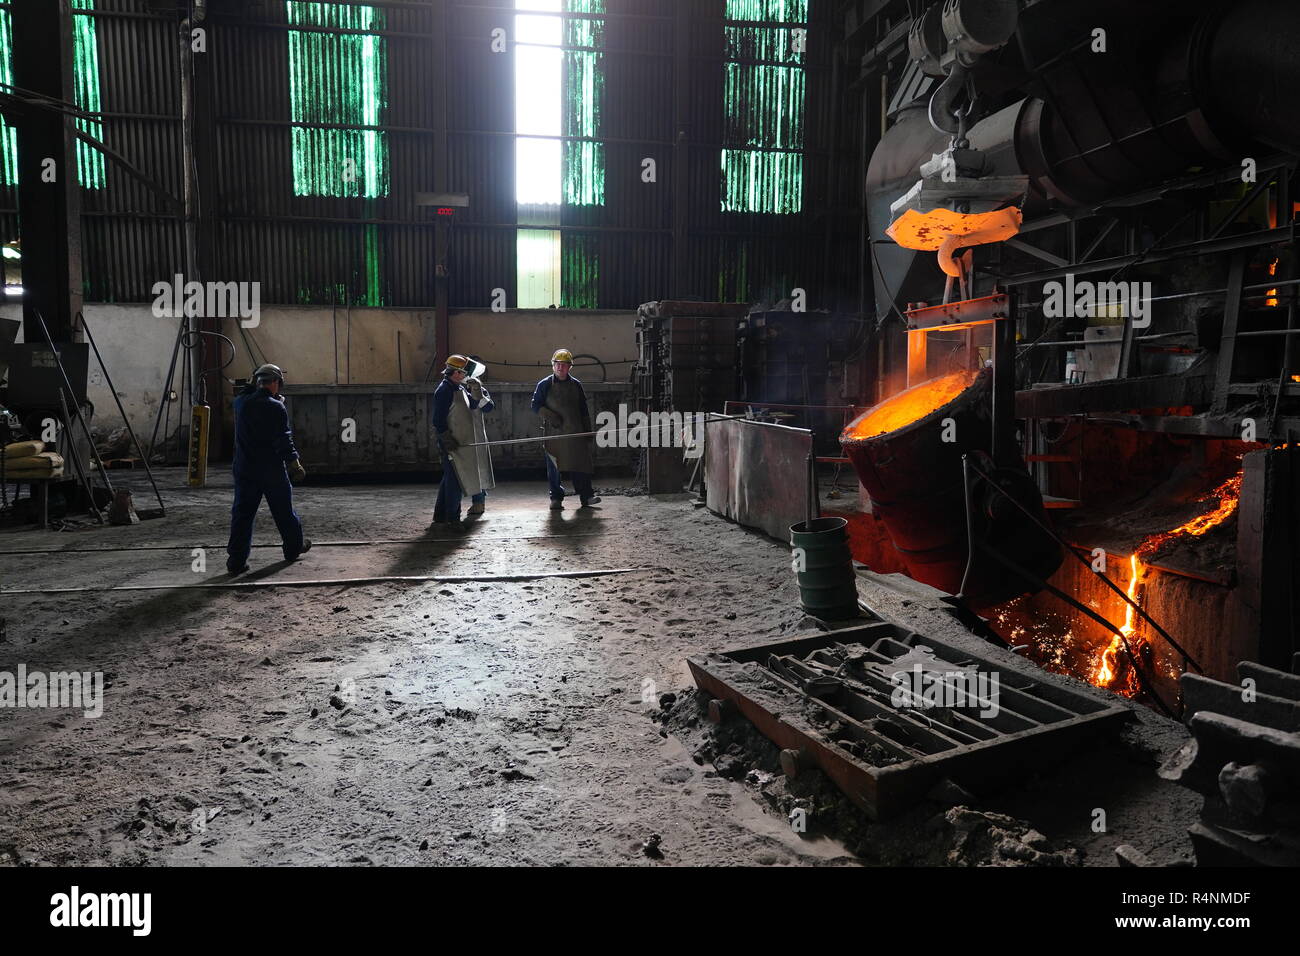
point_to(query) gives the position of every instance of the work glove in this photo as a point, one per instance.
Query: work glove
(449, 443)
(296, 471)
(475, 387)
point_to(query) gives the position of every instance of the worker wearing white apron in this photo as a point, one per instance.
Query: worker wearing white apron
(458, 420)
(480, 404)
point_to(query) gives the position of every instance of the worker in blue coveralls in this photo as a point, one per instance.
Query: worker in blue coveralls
(459, 404)
(561, 401)
(265, 460)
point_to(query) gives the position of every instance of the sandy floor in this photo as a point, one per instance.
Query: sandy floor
(501, 722)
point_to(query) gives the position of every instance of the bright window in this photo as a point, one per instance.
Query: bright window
(559, 88)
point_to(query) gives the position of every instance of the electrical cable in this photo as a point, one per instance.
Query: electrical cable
(186, 346)
(604, 372)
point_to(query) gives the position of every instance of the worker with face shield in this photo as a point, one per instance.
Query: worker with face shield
(459, 406)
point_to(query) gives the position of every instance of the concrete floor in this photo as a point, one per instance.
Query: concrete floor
(426, 721)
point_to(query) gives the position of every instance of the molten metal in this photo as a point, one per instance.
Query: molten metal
(1227, 494)
(908, 453)
(911, 405)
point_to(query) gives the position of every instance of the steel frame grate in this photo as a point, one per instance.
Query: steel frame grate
(829, 699)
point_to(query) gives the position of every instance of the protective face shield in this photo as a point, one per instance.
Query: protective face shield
(463, 363)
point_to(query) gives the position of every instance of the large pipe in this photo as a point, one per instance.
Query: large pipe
(1209, 94)
(1205, 92)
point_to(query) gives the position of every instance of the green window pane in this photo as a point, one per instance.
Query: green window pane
(579, 272)
(85, 78)
(584, 93)
(90, 161)
(374, 280)
(779, 11)
(8, 133)
(340, 80)
(763, 108)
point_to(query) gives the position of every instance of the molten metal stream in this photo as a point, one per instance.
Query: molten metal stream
(1228, 494)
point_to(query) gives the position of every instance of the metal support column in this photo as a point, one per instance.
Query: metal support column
(1004, 385)
(442, 233)
(1228, 340)
(681, 144)
(49, 196)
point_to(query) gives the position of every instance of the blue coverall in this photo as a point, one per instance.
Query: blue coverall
(447, 507)
(263, 446)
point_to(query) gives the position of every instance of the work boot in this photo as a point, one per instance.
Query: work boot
(593, 500)
(233, 571)
(476, 508)
(557, 504)
(306, 546)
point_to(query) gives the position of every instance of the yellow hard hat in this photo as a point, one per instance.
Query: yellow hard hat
(562, 355)
(458, 362)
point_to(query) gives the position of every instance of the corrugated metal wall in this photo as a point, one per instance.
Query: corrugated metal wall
(315, 248)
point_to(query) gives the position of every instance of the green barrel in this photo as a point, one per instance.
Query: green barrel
(827, 585)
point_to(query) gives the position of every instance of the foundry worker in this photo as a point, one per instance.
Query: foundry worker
(265, 460)
(459, 404)
(562, 403)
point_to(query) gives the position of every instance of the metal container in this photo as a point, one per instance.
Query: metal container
(827, 586)
(914, 478)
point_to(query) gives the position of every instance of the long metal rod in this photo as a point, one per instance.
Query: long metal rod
(1285, 371)
(76, 463)
(1096, 243)
(814, 495)
(103, 473)
(1244, 203)
(1004, 386)
(1202, 247)
(970, 526)
(376, 542)
(122, 411)
(165, 399)
(327, 582)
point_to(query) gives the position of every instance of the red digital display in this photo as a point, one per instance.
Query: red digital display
(446, 211)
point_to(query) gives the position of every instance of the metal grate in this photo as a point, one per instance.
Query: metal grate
(837, 702)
